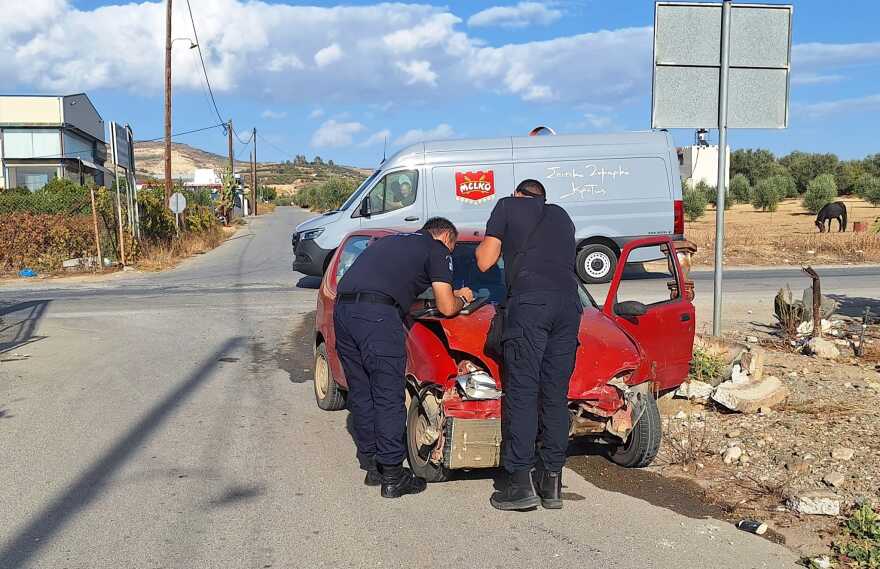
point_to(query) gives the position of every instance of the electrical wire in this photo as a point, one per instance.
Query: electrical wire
(202, 59)
(283, 152)
(220, 125)
(248, 141)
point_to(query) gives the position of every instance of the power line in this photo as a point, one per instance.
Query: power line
(285, 153)
(185, 132)
(202, 59)
(248, 141)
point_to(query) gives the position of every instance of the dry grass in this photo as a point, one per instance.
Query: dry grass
(685, 442)
(821, 408)
(160, 256)
(787, 236)
(264, 208)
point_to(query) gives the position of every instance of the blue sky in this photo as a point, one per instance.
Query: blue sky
(337, 80)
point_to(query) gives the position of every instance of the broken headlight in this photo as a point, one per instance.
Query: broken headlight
(478, 385)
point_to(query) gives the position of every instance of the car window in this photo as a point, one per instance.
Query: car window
(350, 251)
(466, 273)
(395, 191)
(650, 282)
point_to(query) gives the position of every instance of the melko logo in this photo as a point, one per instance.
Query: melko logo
(474, 187)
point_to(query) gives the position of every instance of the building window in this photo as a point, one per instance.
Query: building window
(78, 147)
(31, 143)
(31, 177)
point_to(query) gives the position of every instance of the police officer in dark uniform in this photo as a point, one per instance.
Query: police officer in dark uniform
(539, 341)
(372, 295)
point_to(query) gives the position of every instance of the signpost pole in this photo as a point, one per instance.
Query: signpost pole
(722, 166)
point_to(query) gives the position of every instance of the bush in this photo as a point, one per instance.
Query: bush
(329, 195)
(786, 186)
(60, 195)
(766, 195)
(741, 189)
(711, 193)
(695, 202)
(867, 187)
(820, 191)
(283, 201)
(157, 222)
(42, 241)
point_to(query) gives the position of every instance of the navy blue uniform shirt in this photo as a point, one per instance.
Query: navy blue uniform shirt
(401, 266)
(548, 263)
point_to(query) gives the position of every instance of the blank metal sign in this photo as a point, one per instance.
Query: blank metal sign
(687, 65)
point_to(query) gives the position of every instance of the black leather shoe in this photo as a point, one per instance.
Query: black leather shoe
(373, 478)
(548, 485)
(518, 493)
(398, 481)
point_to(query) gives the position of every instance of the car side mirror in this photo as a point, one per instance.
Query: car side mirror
(365, 207)
(630, 308)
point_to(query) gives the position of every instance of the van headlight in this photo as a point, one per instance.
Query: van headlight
(478, 385)
(311, 234)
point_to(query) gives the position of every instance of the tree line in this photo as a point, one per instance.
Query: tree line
(759, 178)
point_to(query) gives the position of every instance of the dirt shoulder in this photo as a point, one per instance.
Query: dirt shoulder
(787, 236)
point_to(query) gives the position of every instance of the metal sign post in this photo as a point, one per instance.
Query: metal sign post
(722, 167)
(721, 66)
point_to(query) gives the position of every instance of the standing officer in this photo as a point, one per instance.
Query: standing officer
(539, 340)
(375, 291)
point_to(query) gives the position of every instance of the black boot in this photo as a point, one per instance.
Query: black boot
(398, 481)
(373, 478)
(548, 485)
(518, 493)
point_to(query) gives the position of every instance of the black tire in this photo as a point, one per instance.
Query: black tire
(328, 394)
(644, 441)
(423, 468)
(596, 263)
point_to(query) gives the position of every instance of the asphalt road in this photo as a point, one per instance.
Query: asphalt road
(168, 420)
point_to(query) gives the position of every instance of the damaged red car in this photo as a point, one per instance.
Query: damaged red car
(634, 346)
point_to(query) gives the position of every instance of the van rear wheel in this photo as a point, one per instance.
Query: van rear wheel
(596, 263)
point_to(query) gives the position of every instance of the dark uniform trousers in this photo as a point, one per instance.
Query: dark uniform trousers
(371, 347)
(540, 343)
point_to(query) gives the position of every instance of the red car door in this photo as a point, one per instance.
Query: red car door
(647, 300)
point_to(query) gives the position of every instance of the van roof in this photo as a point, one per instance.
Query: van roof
(647, 141)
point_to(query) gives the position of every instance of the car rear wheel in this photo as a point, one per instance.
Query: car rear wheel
(419, 454)
(328, 394)
(596, 263)
(643, 443)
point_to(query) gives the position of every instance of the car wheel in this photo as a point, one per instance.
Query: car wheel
(643, 443)
(419, 455)
(328, 394)
(596, 263)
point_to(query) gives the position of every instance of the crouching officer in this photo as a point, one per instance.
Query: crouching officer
(539, 340)
(380, 285)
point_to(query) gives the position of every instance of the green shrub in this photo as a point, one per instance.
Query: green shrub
(60, 195)
(695, 202)
(867, 187)
(711, 193)
(326, 196)
(741, 189)
(157, 222)
(820, 191)
(199, 218)
(283, 201)
(786, 185)
(766, 195)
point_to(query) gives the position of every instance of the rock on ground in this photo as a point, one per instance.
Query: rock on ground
(749, 397)
(815, 503)
(822, 348)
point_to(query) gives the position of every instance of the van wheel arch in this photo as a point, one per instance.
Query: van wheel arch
(597, 259)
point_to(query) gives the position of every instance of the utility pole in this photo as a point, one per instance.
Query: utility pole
(231, 155)
(168, 185)
(254, 173)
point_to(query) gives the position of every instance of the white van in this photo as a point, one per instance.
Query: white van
(615, 187)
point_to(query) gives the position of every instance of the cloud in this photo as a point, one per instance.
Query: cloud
(818, 55)
(815, 79)
(273, 115)
(316, 113)
(419, 71)
(519, 16)
(440, 131)
(598, 121)
(378, 137)
(284, 62)
(332, 134)
(868, 103)
(330, 54)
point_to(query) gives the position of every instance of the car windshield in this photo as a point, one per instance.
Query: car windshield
(356, 194)
(491, 283)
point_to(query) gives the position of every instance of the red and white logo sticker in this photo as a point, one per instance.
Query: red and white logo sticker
(474, 187)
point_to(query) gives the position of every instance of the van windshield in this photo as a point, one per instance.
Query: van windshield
(357, 193)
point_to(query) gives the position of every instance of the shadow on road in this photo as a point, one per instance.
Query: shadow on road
(309, 282)
(855, 305)
(18, 322)
(88, 487)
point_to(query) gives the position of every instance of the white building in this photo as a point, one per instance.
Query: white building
(204, 178)
(700, 163)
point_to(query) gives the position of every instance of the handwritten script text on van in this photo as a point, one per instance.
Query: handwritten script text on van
(588, 180)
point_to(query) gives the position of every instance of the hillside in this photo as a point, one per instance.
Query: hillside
(286, 177)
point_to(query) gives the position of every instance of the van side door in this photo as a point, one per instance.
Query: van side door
(648, 300)
(396, 200)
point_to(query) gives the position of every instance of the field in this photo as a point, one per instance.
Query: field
(787, 236)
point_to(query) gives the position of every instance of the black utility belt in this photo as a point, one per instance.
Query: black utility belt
(368, 297)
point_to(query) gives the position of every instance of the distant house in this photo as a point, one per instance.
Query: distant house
(204, 179)
(44, 137)
(699, 163)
